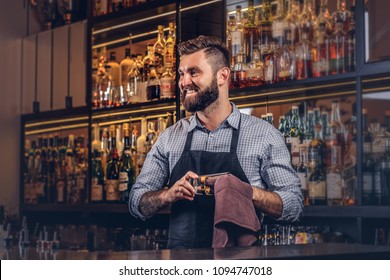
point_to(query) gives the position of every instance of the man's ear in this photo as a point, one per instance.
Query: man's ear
(223, 76)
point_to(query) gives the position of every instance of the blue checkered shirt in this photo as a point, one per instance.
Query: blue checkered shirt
(261, 152)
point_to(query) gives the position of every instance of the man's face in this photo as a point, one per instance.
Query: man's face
(197, 83)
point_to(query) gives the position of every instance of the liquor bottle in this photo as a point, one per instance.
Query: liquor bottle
(153, 85)
(126, 168)
(271, 66)
(378, 139)
(309, 132)
(335, 178)
(170, 56)
(335, 137)
(341, 14)
(141, 144)
(167, 84)
(104, 151)
(96, 142)
(70, 170)
(255, 70)
(159, 51)
(151, 137)
(321, 52)
(41, 181)
(125, 67)
(115, 69)
(304, 55)
(134, 137)
(112, 172)
(230, 27)
(161, 125)
(105, 87)
(337, 49)
(239, 79)
(60, 170)
(294, 135)
(324, 17)
(52, 157)
(265, 38)
(317, 147)
(384, 168)
(119, 141)
(368, 163)
(250, 31)
(291, 22)
(281, 125)
(286, 64)
(133, 81)
(29, 178)
(237, 36)
(97, 180)
(148, 61)
(306, 22)
(303, 172)
(278, 25)
(81, 171)
(270, 118)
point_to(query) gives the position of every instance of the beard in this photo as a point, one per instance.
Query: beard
(202, 99)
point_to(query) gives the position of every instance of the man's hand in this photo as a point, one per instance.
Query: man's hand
(182, 189)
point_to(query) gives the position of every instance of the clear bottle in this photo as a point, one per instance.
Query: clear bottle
(278, 24)
(255, 70)
(325, 17)
(95, 88)
(335, 137)
(304, 55)
(159, 51)
(134, 137)
(125, 67)
(133, 81)
(294, 135)
(170, 56)
(291, 22)
(153, 86)
(167, 84)
(265, 38)
(239, 79)
(61, 172)
(303, 173)
(286, 64)
(151, 136)
(335, 178)
(338, 41)
(148, 62)
(271, 66)
(251, 32)
(237, 35)
(112, 171)
(115, 74)
(321, 52)
(119, 140)
(306, 22)
(351, 42)
(105, 87)
(126, 167)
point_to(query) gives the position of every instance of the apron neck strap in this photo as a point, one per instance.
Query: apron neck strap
(233, 143)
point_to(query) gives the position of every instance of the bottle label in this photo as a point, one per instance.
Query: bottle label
(236, 38)
(379, 145)
(269, 70)
(124, 180)
(112, 191)
(367, 182)
(277, 29)
(334, 186)
(317, 189)
(96, 190)
(167, 88)
(254, 73)
(303, 177)
(40, 188)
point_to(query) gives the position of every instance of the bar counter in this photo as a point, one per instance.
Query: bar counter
(305, 251)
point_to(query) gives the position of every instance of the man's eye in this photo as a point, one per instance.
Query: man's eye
(194, 73)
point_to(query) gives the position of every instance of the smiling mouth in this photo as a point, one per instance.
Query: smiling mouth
(190, 91)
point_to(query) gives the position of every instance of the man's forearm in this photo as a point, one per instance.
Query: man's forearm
(152, 202)
(267, 202)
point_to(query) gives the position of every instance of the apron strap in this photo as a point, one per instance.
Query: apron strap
(187, 146)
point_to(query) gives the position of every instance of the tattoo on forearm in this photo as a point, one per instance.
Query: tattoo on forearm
(150, 203)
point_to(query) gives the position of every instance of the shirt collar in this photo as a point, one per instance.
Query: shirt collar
(233, 120)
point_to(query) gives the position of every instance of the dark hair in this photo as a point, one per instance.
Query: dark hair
(214, 49)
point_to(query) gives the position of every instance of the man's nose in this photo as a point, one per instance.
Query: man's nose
(186, 80)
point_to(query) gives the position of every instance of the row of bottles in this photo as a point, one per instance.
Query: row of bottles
(118, 160)
(55, 169)
(135, 78)
(323, 152)
(275, 234)
(103, 7)
(298, 44)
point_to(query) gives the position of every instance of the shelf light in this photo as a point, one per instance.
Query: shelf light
(132, 120)
(144, 110)
(143, 20)
(55, 122)
(57, 128)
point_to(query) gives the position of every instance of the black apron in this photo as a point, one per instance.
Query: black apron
(191, 222)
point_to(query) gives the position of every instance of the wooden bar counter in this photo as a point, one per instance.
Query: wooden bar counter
(306, 251)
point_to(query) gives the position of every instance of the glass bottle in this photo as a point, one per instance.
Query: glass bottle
(334, 178)
(384, 168)
(141, 144)
(170, 57)
(116, 79)
(302, 173)
(255, 70)
(95, 88)
(294, 135)
(278, 24)
(153, 86)
(251, 32)
(337, 49)
(321, 52)
(304, 55)
(317, 147)
(325, 17)
(351, 41)
(306, 23)
(286, 66)
(265, 39)
(148, 62)
(291, 22)
(237, 35)
(133, 81)
(159, 48)
(167, 84)
(97, 180)
(125, 67)
(126, 167)
(112, 172)
(151, 136)
(239, 79)
(134, 137)
(105, 87)
(271, 66)
(335, 137)
(61, 172)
